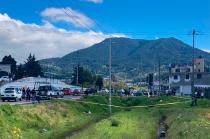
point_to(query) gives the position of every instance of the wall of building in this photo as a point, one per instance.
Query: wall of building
(199, 65)
(185, 90)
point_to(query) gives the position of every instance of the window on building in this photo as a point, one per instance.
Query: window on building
(175, 77)
(199, 76)
(199, 70)
(187, 77)
(177, 70)
(188, 69)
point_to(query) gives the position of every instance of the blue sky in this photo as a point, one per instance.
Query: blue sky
(145, 19)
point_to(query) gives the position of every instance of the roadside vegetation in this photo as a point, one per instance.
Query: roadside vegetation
(47, 120)
(128, 124)
(76, 120)
(182, 121)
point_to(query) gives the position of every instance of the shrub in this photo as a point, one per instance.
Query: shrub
(115, 123)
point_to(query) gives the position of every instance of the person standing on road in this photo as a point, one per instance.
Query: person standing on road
(33, 93)
(28, 93)
(23, 93)
(194, 99)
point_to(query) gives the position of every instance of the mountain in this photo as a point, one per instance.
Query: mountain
(128, 55)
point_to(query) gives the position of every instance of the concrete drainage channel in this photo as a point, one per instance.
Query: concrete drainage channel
(162, 128)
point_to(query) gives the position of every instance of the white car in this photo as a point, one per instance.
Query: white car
(104, 90)
(4, 79)
(49, 90)
(12, 93)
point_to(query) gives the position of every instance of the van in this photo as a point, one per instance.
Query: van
(12, 93)
(49, 91)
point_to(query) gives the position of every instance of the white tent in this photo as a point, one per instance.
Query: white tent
(33, 82)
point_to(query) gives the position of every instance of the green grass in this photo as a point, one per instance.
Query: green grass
(56, 119)
(47, 120)
(189, 123)
(184, 122)
(133, 101)
(134, 124)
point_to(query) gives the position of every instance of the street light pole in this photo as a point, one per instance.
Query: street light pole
(77, 78)
(159, 75)
(110, 78)
(193, 64)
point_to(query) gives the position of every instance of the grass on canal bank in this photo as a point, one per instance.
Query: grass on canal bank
(58, 119)
(47, 120)
(183, 121)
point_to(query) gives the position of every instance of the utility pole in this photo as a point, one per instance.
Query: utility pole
(77, 80)
(77, 68)
(159, 74)
(193, 64)
(110, 78)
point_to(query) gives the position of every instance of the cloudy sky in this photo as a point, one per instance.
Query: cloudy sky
(53, 28)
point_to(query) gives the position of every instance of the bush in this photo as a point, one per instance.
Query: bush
(115, 123)
(127, 109)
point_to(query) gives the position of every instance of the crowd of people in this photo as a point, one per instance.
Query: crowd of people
(30, 95)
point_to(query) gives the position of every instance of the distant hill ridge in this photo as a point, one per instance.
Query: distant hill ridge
(128, 54)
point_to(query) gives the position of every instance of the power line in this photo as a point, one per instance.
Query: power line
(70, 14)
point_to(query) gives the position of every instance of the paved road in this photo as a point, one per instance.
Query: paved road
(23, 102)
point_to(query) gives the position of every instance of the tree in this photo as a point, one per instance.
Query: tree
(10, 60)
(99, 82)
(84, 76)
(32, 67)
(20, 72)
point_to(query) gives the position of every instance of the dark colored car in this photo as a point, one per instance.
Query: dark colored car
(76, 92)
(67, 91)
(90, 91)
(138, 94)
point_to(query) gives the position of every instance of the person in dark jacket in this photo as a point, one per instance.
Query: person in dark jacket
(23, 93)
(33, 94)
(28, 94)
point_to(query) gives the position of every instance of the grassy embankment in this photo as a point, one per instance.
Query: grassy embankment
(184, 122)
(58, 118)
(47, 120)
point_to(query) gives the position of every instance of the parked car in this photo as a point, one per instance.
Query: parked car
(4, 79)
(90, 91)
(67, 91)
(12, 93)
(77, 92)
(104, 91)
(59, 91)
(47, 91)
(138, 93)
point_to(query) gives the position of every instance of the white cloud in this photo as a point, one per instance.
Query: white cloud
(68, 15)
(206, 50)
(95, 1)
(45, 41)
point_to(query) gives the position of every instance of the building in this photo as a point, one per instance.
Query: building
(199, 64)
(180, 78)
(5, 68)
